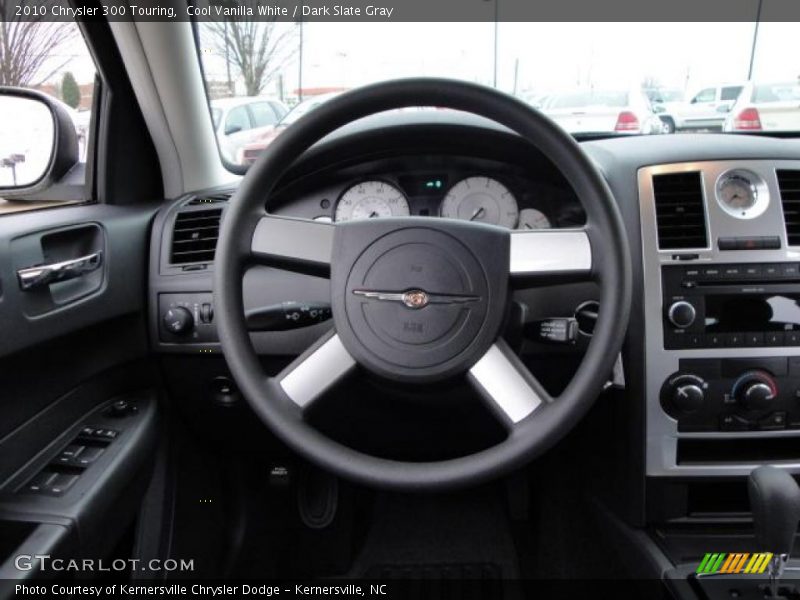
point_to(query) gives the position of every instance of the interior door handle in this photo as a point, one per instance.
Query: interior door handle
(43, 275)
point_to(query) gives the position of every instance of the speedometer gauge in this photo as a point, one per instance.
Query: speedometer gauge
(481, 199)
(371, 199)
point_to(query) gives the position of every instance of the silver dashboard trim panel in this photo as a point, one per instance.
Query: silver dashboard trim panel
(662, 430)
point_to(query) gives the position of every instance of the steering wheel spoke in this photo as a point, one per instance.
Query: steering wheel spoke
(541, 253)
(506, 384)
(299, 245)
(315, 371)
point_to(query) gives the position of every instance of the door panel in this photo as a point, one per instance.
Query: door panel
(72, 345)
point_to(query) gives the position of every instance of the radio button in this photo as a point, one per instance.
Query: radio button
(692, 271)
(681, 314)
(790, 270)
(714, 340)
(771, 270)
(712, 272)
(791, 338)
(754, 339)
(752, 270)
(774, 338)
(734, 339)
(732, 271)
(695, 340)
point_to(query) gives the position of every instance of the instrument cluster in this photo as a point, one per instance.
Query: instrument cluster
(496, 197)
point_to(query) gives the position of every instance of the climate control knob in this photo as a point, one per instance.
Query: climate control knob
(685, 393)
(681, 314)
(755, 390)
(178, 320)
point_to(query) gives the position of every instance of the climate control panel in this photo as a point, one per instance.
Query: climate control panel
(734, 394)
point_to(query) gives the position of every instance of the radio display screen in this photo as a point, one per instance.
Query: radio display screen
(757, 312)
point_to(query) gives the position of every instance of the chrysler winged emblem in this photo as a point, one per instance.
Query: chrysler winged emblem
(415, 299)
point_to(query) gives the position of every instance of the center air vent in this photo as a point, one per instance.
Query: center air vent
(680, 214)
(194, 238)
(789, 184)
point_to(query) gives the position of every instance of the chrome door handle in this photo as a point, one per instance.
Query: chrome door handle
(43, 275)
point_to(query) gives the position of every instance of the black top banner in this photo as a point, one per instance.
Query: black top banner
(404, 10)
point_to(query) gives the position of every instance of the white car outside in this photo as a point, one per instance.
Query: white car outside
(766, 107)
(603, 111)
(238, 121)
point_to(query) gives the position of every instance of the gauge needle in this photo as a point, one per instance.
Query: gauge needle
(527, 226)
(373, 215)
(478, 213)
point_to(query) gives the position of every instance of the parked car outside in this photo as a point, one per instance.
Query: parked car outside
(237, 121)
(706, 109)
(665, 102)
(766, 107)
(603, 111)
(249, 152)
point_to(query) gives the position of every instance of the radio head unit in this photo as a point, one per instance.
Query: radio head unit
(731, 305)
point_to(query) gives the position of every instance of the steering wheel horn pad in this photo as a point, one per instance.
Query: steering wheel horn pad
(422, 326)
(412, 301)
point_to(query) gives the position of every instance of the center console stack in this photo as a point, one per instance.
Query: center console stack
(721, 259)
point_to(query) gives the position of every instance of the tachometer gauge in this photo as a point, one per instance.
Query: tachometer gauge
(371, 199)
(481, 199)
(742, 194)
(531, 218)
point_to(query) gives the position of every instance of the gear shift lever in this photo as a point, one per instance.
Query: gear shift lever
(775, 502)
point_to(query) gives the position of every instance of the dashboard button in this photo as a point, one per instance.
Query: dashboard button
(734, 340)
(754, 338)
(695, 340)
(790, 270)
(752, 270)
(714, 340)
(776, 420)
(731, 271)
(692, 271)
(791, 338)
(712, 272)
(774, 338)
(733, 423)
(771, 270)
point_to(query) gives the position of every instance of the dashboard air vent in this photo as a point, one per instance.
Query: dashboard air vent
(215, 198)
(194, 238)
(680, 214)
(789, 184)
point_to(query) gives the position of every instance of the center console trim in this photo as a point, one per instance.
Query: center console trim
(662, 433)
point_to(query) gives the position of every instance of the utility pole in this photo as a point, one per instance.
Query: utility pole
(755, 40)
(300, 65)
(496, 14)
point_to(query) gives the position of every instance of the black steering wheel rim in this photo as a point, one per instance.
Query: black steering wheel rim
(532, 435)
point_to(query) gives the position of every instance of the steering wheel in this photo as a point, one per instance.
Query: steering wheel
(421, 300)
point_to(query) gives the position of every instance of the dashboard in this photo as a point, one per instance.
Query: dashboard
(471, 188)
(700, 385)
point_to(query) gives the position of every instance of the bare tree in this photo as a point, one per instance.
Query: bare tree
(29, 48)
(258, 50)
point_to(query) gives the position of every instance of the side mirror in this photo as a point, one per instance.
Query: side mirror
(38, 141)
(231, 129)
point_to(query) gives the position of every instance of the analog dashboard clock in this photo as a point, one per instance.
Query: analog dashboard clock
(742, 194)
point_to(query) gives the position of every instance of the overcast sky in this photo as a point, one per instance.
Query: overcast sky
(546, 56)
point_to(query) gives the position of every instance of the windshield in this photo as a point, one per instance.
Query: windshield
(610, 79)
